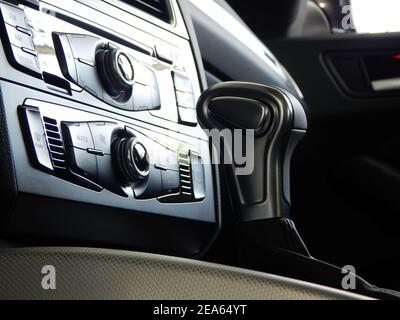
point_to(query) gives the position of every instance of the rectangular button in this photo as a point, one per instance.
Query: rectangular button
(182, 83)
(168, 159)
(65, 56)
(26, 59)
(13, 15)
(170, 181)
(198, 179)
(107, 177)
(85, 162)
(142, 97)
(102, 133)
(155, 97)
(19, 38)
(83, 46)
(153, 187)
(38, 138)
(78, 135)
(88, 79)
(185, 99)
(187, 115)
(144, 75)
(164, 54)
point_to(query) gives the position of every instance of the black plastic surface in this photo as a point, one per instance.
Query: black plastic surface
(54, 221)
(230, 57)
(230, 110)
(259, 195)
(344, 128)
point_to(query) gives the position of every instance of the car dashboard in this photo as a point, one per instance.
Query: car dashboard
(101, 141)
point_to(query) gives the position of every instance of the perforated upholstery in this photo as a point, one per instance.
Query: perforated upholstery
(108, 274)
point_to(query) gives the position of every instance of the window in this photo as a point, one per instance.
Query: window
(362, 16)
(375, 16)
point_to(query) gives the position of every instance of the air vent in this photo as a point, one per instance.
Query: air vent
(55, 143)
(185, 174)
(158, 8)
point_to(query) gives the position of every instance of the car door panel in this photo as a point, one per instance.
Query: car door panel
(345, 175)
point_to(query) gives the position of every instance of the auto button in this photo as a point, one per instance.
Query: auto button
(79, 141)
(78, 135)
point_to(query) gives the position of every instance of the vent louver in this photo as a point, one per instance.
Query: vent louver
(157, 8)
(55, 143)
(185, 174)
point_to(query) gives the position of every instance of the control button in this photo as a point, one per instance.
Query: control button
(182, 83)
(144, 75)
(83, 46)
(133, 160)
(153, 152)
(168, 159)
(180, 61)
(187, 115)
(156, 98)
(198, 180)
(78, 135)
(185, 99)
(84, 161)
(142, 97)
(169, 110)
(38, 138)
(19, 38)
(13, 15)
(164, 54)
(107, 177)
(170, 181)
(65, 56)
(87, 79)
(116, 71)
(102, 133)
(140, 157)
(26, 59)
(152, 188)
(125, 68)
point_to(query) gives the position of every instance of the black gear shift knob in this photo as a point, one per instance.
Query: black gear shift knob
(275, 121)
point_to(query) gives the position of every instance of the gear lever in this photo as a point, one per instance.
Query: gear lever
(277, 121)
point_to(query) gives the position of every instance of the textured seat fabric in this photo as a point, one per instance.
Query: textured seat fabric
(108, 274)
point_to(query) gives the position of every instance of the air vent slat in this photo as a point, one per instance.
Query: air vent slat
(157, 8)
(185, 174)
(56, 145)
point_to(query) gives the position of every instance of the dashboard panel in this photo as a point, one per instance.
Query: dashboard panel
(99, 115)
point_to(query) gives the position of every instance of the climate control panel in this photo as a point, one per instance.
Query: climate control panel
(99, 154)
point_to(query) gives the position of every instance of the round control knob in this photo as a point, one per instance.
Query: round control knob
(116, 72)
(133, 160)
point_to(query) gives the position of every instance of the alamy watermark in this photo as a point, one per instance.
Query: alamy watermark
(233, 147)
(347, 20)
(49, 278)
(349, 281)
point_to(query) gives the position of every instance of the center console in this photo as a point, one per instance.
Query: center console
(102, 143)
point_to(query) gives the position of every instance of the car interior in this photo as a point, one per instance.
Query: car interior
(197, 149)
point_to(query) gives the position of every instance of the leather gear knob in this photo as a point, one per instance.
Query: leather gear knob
(278, 122)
